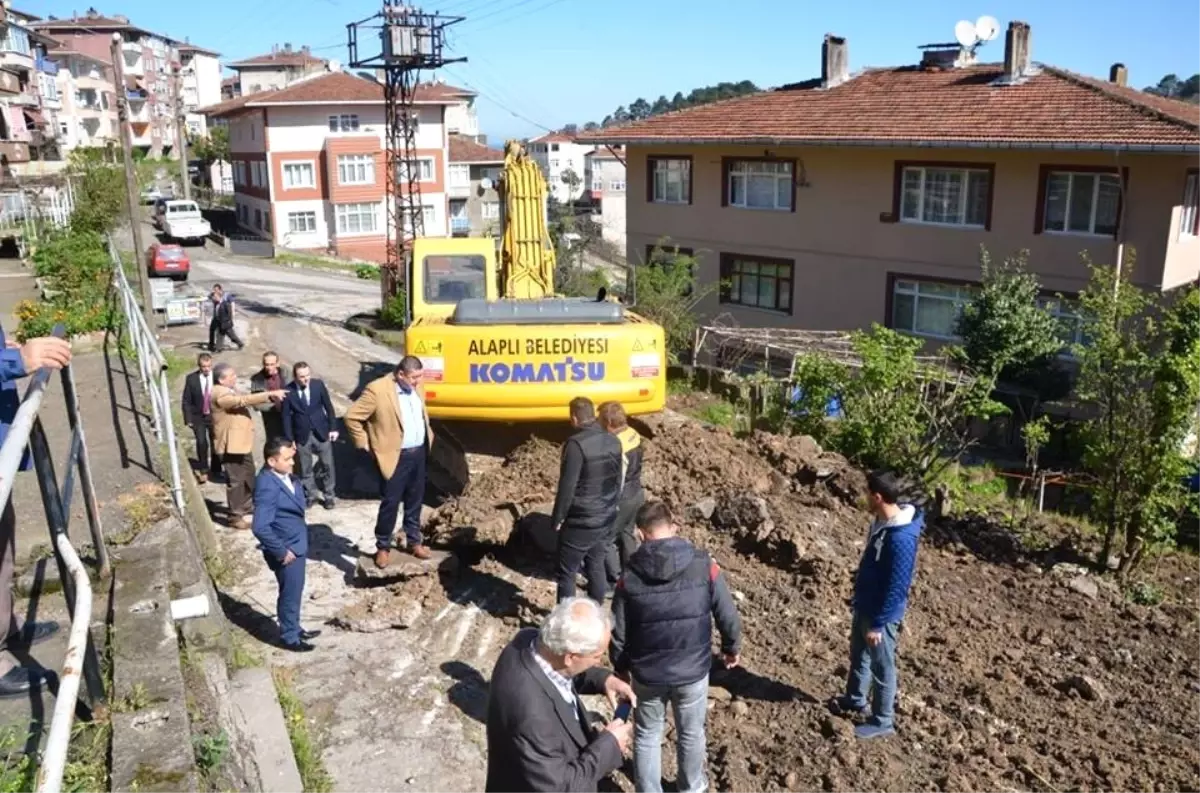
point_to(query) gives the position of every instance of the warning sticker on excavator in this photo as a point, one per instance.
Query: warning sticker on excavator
(637, 345)
(434, 367)
(644, 364)
(428, 347)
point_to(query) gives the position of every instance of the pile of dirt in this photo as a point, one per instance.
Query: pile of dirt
(1018, 671)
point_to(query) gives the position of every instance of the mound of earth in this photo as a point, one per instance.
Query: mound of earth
(1018, 671)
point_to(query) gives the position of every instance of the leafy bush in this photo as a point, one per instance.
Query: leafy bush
(99, 190)
(77, 272)
(367, 272)
(392, 313)
(665, 292)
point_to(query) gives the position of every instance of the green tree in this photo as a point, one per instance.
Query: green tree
(639, 110)
(214, 148)
(665, 290)
(1140, 379)
(1171, 86)
(661, 105)
(1004, 329)
(99, 190)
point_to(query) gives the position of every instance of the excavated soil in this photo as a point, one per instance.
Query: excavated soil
(1018, 670)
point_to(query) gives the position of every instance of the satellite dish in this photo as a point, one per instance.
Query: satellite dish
(964, 32)
(987, 28)
(335, 65)
(485, 183)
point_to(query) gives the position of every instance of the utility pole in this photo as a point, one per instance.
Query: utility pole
(181, 132)
(131, 185)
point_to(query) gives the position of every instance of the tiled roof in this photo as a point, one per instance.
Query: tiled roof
(281, 58)
(910, 105)
(189, 47)
(553, 137)
(330, 88)
(97, 22)
(463, 149)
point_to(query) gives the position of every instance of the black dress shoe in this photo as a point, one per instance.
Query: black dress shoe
(306, 635)
(329, 503)
(298, 647)
(19, 680)
(33, 632)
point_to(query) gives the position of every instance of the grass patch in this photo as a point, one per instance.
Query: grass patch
(19, 770)
(137, 699)
(211, 749)
(241, 655)
(87, 758)
(722, 414)
(679, 386)
(308, 755)
(220, 569)
(359, 269)
(147, 504)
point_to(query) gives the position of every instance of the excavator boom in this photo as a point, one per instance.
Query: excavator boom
(526, 253)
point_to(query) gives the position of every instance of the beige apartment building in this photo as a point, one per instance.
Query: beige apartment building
(864, 197)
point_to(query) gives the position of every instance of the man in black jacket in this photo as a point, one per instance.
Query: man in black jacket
(269, 378)
(663, 611)
(538, 733)
(589, 490)
(197, 415)
(222, 320)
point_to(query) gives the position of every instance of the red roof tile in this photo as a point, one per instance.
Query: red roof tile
(281, 58)
(331, 88)
(463, 149)
(912, 105)
(553, 137)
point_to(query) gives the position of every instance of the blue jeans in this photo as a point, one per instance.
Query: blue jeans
(873, 664)
(690, 704)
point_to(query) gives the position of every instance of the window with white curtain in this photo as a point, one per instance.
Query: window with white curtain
(1082, 203)
(356, 169)
(302, 222)
(298, 174)
(672, 180)
(929, 308)
(945, 196)
(760, 184)
(357, 218)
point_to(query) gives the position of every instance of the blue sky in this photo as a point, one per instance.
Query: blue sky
(551, 62)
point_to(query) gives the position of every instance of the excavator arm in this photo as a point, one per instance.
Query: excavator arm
(527, 256)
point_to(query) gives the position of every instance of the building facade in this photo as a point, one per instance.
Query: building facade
(149, 60)
(604, 183)
(309, 164)
(474, 203)
(29, 97)
(276, 69)
(562, 161)
(861, 198)
(199, 85)
(89, 109)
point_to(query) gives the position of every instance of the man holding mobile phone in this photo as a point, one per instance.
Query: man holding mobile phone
(663, 612)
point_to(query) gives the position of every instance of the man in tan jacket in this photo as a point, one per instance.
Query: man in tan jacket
(233, 439)
(390, 421)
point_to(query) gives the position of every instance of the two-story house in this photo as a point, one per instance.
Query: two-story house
(309, 163)
(864, 197)
(562, 161)
(276, 69)
(604, 186)
(474, 173)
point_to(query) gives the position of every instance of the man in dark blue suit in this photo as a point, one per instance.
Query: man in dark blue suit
(309, 421)
(283, 535)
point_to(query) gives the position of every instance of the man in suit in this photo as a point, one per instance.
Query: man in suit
(282, 534)
(309, 421)
(269, 378)
(197, 415)
(538, 733)
(585, 507)
(233, 438)
(222, 320)
(389, 419)
(18, 361)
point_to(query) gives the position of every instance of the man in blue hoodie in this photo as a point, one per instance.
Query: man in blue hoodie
(663, 611)
(880, 596)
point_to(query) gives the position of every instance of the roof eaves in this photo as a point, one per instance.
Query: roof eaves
(915, 143)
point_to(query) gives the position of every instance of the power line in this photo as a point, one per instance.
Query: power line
(508, 10)
(498, 103)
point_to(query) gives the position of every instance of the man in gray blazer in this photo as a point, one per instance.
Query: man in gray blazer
(538, 733)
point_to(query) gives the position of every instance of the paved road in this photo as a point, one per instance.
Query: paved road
(398, 709)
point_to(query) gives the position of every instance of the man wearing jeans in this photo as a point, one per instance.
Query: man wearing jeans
(880, 596)
(663, 611)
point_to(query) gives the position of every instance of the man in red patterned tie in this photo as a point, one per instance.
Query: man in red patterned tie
(197, 414)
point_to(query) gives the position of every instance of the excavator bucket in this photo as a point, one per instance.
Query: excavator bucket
(448, 472)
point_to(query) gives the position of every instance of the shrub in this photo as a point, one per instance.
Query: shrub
(392, 313)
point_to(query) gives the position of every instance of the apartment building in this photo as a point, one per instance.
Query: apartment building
(309, 164)
(149, 62)
(474, 203)
(864, 197)
(275, 69)
(88, 116)
(199, 85)
(604, 188)
(29, 99)
(562, 161)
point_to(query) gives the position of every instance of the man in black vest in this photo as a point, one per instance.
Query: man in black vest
(222, 320)
(663, 611)
(589, 490)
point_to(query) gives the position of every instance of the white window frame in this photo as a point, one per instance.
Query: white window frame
(343, 122)
(1099, 178)
(666, 172)
(402, 167)
(489, 210)
(460, 175)
(1066, 312)
(554, 163)
(1189, 214)
(298, 166)
(616, 185)
(964, 293)
(964, 195)
(428, 218)
(354, 165)
(741, 169)
(359, 209)
(597, 184)
(303, 222)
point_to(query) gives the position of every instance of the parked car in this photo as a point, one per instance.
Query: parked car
(165, 260)
(183, 221)
(154, 193)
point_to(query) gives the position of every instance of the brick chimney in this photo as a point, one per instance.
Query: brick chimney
(1016, 51)
(835, 61)
(1118, 74)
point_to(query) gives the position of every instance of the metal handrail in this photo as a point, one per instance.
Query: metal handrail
(81, 664)
(152, 369)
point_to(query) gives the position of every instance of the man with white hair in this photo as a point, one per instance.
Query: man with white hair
(538, 733)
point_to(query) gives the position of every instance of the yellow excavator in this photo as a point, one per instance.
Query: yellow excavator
(499, 345)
